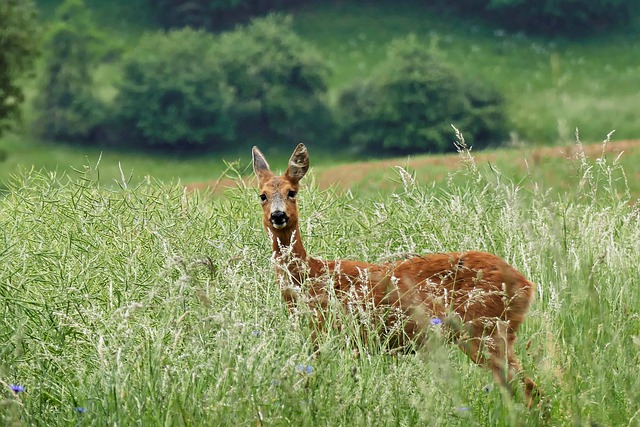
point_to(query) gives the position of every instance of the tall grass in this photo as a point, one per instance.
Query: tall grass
(148, 305)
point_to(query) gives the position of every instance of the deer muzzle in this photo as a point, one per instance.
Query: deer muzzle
(278, 219)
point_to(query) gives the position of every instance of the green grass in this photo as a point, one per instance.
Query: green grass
(149, 306)
(113, 164)
(553, 170)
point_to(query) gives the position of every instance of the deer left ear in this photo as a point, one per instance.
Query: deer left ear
(298, 164)
(260, 165)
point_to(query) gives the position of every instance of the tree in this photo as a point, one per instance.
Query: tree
(173, 93)
(67, 107)
(409, 102)
(18, 50)
(280, 82)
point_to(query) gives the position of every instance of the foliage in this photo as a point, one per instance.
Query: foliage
(174, 93)
(18, 49)
(149, 306)
(66, 105)
(280, 83)
(410, 100)
(571, 16)
(212, 14)
(188, 88)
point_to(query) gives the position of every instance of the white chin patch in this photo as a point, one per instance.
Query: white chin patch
(279, 226)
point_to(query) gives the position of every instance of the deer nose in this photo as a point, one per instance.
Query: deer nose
(279, 219)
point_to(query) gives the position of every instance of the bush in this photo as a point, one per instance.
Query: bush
(66, 106)
(280, 82)
(18, 49)
(569, 16)
(174, 93)
(410, 101)
(212, 14)
(188, 88)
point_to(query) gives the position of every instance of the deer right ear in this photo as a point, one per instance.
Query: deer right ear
(260, 165)
(298, 164)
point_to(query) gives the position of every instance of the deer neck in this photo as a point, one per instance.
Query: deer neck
(287, 244)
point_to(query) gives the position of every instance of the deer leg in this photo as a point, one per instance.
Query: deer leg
(505, 364)
(494, 350)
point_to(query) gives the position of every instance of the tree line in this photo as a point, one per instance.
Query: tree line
(190, 87)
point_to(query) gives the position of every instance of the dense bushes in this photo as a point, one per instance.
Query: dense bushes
(18, 49)
(260, 84)
(578, 16)
(280, 82)
(410, 101)
(187, 88)
(174, 92)
(67, 108)
(211, 14)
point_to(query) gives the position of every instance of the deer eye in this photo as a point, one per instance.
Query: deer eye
(263, 197)
(291, 194)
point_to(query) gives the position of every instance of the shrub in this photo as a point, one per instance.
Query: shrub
(280, 83)
(174, 93)
(18, 49)
(66, 106)
(212, 14)
(577, 16)
(410, 101)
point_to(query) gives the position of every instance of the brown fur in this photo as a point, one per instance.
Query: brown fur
(482, 299)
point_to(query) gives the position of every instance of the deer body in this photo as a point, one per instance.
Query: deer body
(481, 296)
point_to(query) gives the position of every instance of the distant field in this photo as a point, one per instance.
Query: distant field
(548, 169)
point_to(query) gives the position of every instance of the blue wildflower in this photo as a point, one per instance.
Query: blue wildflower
(308, 369)
(16, 388)
(436, 321)
(80, 410)
(256, 333)
(462, 408)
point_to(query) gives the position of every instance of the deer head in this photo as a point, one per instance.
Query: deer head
(278, 193)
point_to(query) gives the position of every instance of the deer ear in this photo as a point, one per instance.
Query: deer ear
(298, 164)
(260, 165)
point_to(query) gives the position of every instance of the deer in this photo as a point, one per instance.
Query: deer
(477, 295)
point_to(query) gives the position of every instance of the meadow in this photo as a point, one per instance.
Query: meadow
(150, 305)
(128, 299)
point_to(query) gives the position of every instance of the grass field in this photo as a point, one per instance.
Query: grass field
(130, 301)
(151, 306)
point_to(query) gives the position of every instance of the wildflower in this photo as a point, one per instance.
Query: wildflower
(436, 321)
(308, 369)
(80, 410)
(256, 333)
(462, 408)
(16, 388)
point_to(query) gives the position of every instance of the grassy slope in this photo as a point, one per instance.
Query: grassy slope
(149, 306)
(552, 86)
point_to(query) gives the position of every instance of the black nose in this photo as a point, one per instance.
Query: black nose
(279, 218)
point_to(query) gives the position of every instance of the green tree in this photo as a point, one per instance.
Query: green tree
(409, 102)
(174, 93)
(18, 49)
(67, 108)
(566, 16)
(280, 83)
(212, 14)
